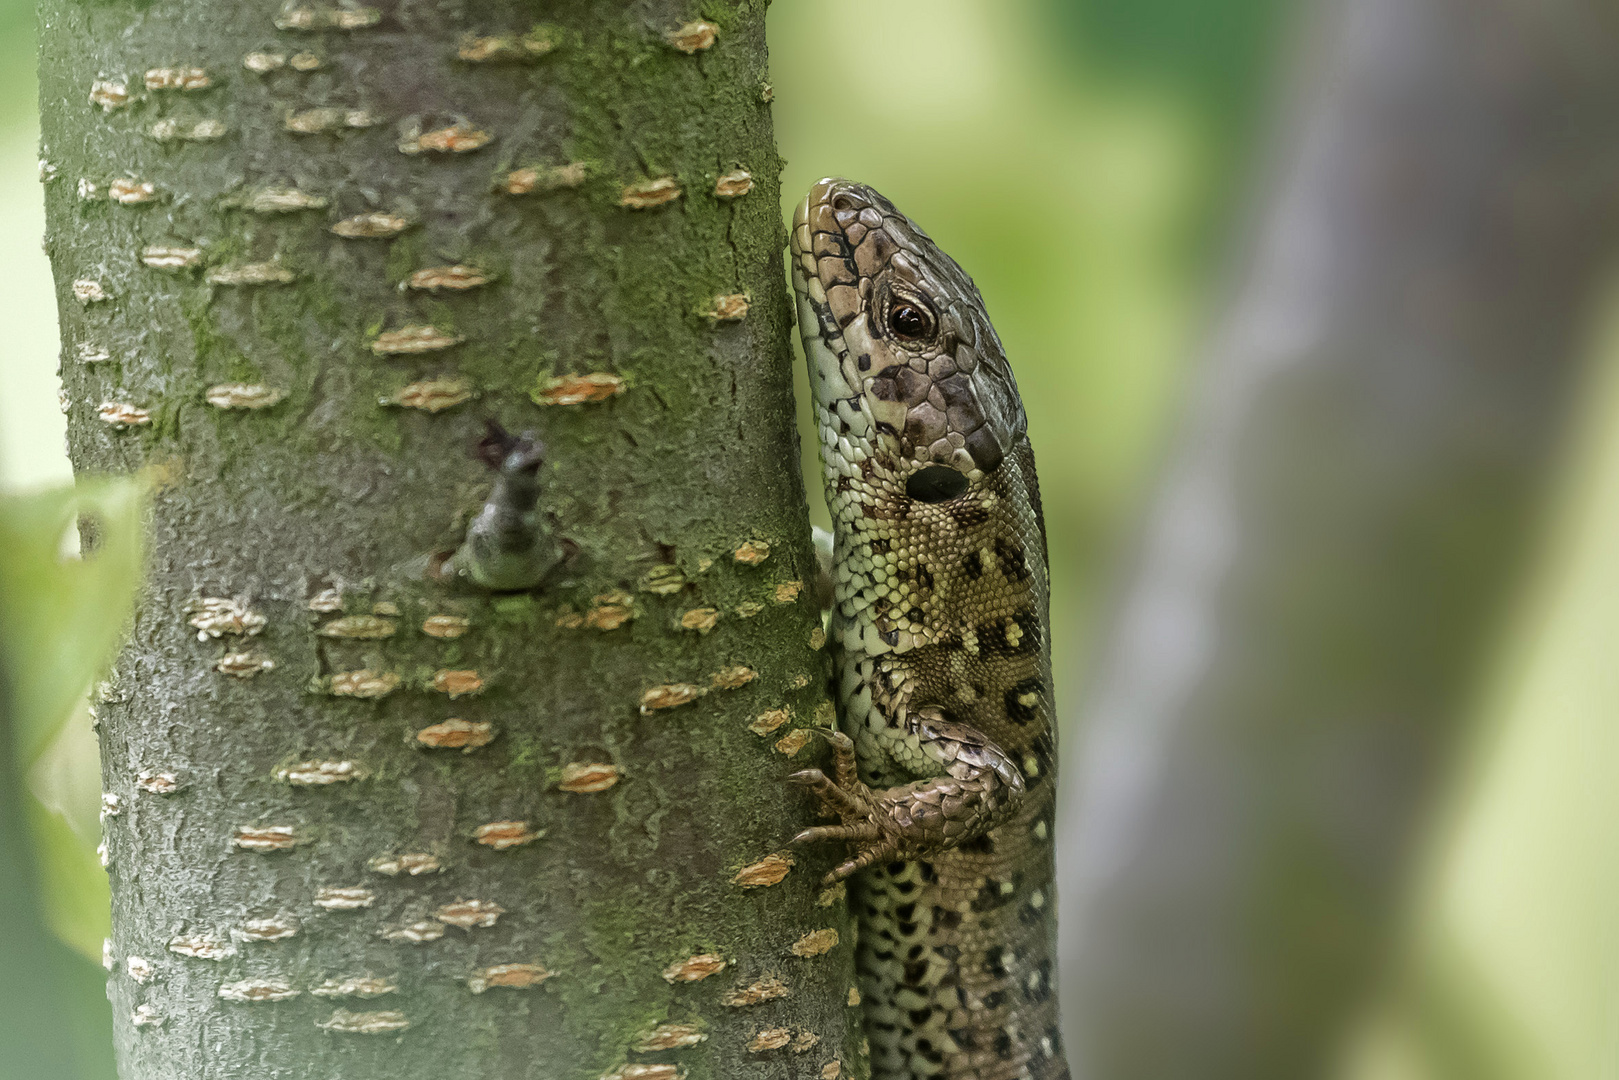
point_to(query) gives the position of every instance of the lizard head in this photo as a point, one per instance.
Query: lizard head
(902, 356)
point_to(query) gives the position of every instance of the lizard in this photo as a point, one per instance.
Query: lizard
(943, 769)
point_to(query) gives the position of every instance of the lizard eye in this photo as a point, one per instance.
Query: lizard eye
(936, 483)
(910, 321)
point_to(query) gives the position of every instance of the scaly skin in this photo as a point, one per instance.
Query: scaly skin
(943, 776)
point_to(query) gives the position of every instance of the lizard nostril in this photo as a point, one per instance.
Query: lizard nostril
(842, 203)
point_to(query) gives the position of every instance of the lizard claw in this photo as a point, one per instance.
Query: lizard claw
(979, 786)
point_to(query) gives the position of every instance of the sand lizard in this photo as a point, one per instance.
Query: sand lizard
(944, 768)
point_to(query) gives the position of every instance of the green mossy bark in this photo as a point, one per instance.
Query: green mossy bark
(328, 489)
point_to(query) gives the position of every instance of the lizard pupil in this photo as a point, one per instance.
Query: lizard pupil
(936, 483)
(908, 321)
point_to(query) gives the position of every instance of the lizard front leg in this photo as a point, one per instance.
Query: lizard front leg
(979, 787)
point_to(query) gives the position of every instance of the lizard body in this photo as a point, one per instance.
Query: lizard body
(944, 769)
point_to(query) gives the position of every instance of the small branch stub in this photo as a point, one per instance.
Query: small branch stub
(509, 546)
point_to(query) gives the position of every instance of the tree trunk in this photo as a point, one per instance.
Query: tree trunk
(1339, 531)
(369, 819)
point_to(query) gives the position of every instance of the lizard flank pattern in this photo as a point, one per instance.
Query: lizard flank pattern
(943, 772)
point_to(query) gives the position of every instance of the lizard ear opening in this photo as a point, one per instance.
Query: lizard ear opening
(936, 483)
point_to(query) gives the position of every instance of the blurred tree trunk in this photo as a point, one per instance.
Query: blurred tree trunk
(366, 822)
(1344, 521)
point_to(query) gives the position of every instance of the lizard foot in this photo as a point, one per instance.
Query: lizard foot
(979, 787)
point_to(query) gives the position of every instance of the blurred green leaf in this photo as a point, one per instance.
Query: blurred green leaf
(61, 615)
(75, 900)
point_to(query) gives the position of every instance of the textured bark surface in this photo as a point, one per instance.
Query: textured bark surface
(245, 799)
(1339, 530)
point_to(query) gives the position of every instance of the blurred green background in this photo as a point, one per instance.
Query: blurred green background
(1085, 160)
